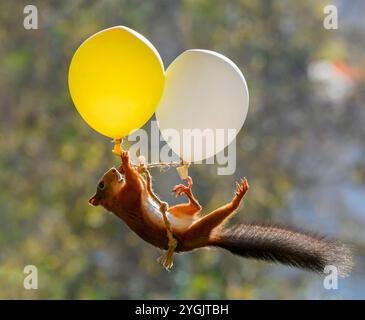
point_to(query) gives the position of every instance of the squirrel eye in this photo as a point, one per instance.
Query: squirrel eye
(101, 185)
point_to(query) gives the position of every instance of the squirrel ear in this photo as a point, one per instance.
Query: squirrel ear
(94, 200)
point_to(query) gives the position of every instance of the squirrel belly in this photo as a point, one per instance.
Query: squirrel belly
(151, 210)
(146, 220)
(153, 228)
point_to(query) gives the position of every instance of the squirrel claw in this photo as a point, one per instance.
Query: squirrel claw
(242, 187)
(180, 188)
(125, 157)
(190, 182)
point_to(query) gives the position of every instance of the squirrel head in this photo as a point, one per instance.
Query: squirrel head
(108, 187)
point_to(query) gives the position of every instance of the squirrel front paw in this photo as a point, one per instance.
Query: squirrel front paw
(241, 189)
(125, 157)
(180, 189)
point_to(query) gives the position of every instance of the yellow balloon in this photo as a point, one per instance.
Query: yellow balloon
(116, 79)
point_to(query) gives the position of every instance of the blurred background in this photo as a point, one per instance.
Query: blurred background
(302, 148)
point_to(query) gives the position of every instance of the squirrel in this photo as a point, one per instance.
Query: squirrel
(127, 193)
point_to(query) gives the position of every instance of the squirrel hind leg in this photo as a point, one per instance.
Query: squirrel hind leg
(185, 210)
(199, 233)
(192, 207)
(241, 189)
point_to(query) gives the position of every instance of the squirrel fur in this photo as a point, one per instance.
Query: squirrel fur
(125, 192)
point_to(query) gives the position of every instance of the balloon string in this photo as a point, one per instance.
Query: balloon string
(164, 164)
(168, 258)
(118, 148)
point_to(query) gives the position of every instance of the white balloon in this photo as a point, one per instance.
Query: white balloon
(204, 93)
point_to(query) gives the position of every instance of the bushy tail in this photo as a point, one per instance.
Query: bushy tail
(283, 245)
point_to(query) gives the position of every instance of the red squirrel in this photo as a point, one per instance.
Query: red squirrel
(125, 192)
